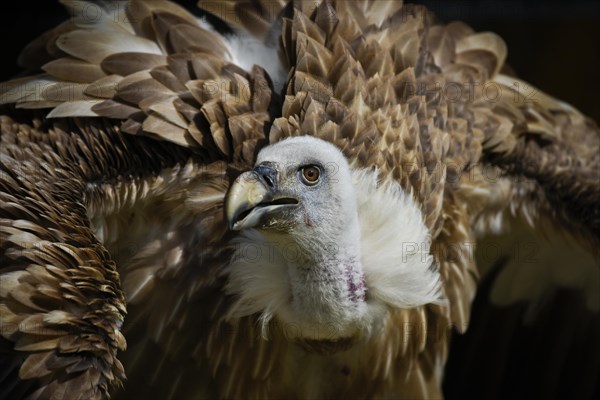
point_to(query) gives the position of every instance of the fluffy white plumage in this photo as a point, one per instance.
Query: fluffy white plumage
(249, 51)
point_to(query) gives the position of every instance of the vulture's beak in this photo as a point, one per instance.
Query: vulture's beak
(253, 196)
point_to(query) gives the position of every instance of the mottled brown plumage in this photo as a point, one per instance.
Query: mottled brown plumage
(111, 220)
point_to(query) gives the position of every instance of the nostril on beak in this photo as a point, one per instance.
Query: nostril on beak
(267, 174)
(269, 181)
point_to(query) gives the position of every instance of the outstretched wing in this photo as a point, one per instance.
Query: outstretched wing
(156, 67)
(534, 202)
(61, 302)
(80, 195)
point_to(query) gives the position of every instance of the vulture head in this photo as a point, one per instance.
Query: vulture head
(300, 188)
(315, 246)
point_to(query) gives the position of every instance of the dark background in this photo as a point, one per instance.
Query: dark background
(555, 45)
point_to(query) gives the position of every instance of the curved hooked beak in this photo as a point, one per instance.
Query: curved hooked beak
(252, 197)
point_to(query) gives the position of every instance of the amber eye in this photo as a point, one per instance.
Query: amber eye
(310, 174)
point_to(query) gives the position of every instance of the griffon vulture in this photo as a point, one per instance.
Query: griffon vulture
(283, 204)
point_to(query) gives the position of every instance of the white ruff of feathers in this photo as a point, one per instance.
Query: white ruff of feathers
(399, 271)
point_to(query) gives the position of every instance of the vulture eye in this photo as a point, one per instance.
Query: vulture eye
(310, 174)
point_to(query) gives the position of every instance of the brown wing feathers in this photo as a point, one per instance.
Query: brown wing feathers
(158, 70)
(62, 304)
(557, 148)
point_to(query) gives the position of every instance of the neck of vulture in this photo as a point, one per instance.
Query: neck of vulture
(311, 280)
(323, 264)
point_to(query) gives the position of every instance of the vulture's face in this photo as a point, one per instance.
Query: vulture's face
(301, 187)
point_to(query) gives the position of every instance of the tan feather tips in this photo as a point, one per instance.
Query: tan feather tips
(61, 302)
(484, 51)
(355, 84)
(154, 67)
(58, 344)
